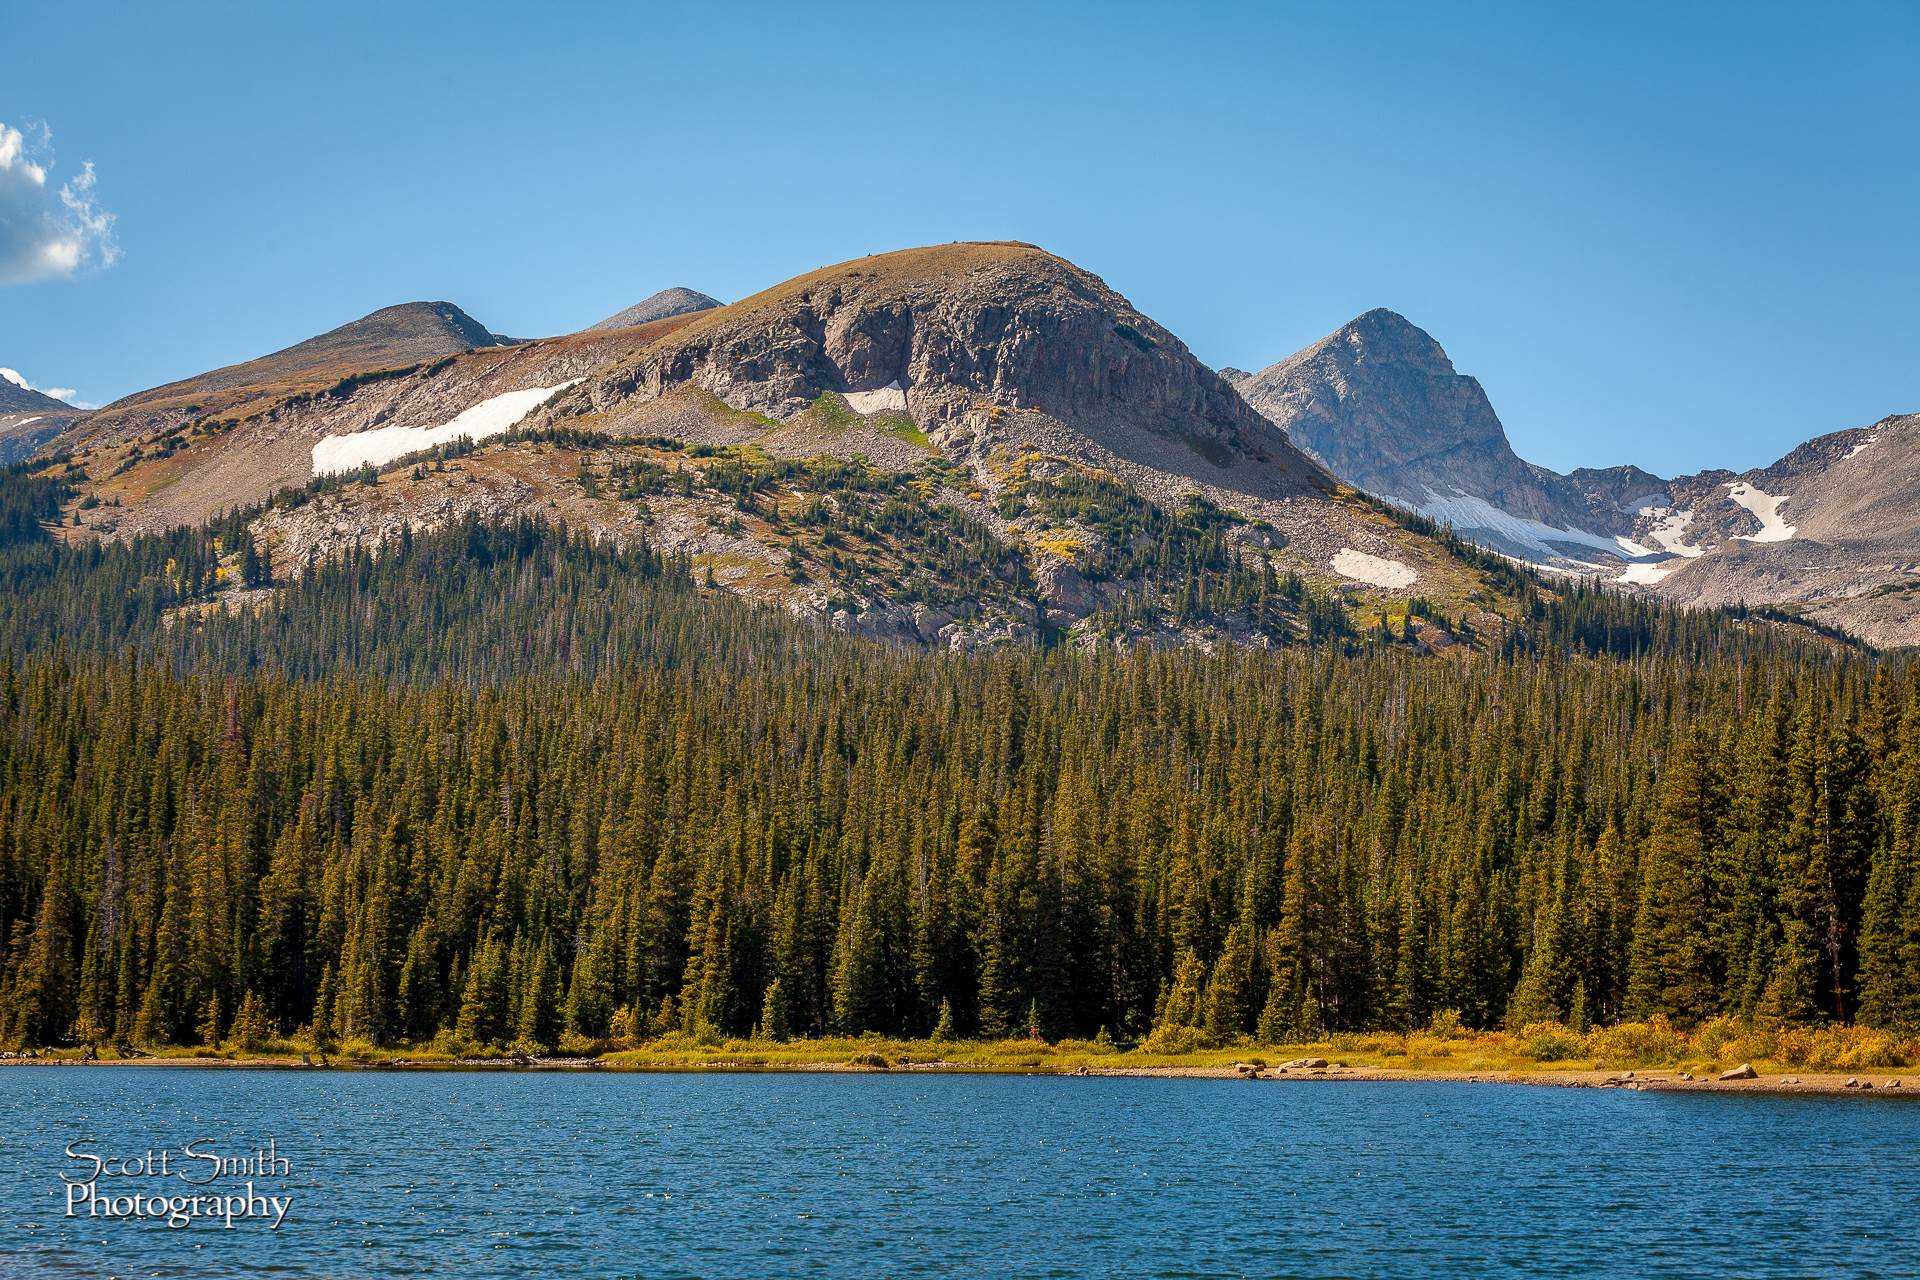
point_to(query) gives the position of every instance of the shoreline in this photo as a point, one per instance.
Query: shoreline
(1883, 1083)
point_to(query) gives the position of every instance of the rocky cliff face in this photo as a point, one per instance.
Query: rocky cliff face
(668, 302)
(1624, 489)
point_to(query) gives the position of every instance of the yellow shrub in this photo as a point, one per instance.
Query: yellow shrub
(1725, 1036)
(1637, 1043)
(1842, 1049)
(1549, 1042)
(1171, 1039)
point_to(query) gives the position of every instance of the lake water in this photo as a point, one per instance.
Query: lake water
(492, 1175)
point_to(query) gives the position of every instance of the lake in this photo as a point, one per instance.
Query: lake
(491, 1175)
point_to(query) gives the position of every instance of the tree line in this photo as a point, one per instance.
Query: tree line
(503, 785)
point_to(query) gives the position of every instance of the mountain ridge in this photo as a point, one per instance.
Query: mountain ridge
(408, 333)
(1069, 443)
(1380, 403)
(29, 417)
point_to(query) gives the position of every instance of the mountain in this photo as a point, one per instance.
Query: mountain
(948, 335)
(956, 445)
(1380, 405)
(17, 397)
(1029, 375)
(1831, 531)
(164, 458)
(668, 302)
(411, 333)
(28, 418)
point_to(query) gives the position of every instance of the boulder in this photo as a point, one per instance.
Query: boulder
(1303, 1064)
(1744, 1071)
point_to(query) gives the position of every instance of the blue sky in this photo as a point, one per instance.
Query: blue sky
(1683, 236)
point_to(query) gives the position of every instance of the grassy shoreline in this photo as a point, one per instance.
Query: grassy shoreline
(1637, 1055)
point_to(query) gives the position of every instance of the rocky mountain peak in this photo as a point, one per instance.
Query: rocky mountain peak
(1388, 338)
(677, 301)
(438, 325)
(28, 418)
(18, 397)
(956, 330)
(1829, 529)
(407, 333)
(1378, 401)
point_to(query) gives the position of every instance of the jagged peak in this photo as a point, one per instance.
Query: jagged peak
(1386, 336)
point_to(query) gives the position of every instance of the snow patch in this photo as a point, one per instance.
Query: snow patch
(1464, 511)
(879, 400)
(1766, 509)
(1646, 574)
(384, 444)
(1376, 570)
(1671, 532)
(28, 421)
(1873, 439)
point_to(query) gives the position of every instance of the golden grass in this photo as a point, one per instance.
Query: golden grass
(1442, 1048)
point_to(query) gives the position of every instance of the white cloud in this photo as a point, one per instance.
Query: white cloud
(46, 233)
